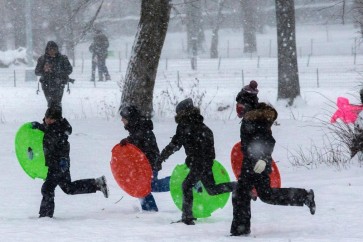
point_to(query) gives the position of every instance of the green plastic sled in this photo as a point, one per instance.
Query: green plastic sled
(203, 203)
(29, 151)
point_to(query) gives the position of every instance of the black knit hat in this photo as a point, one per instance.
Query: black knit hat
(54, 112)
(248, 94)
(361, 95)
(130, 113)
(184, 105)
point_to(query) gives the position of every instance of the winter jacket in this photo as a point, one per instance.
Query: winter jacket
(99, 45)
(60, 65)
(142, 136)
(55, 142)
(356, 141)
(256, 136)
(196, 138)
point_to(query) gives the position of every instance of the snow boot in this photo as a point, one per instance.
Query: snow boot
(108, 77)
(310, 202)
(244, 233)
(148, 204)
(188, 221)
(101, 184)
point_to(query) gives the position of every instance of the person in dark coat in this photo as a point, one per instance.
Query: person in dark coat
(56, 151)
(142, 136)
(198, 142)
(356, 144)
(257, 144)
(54, 70)
(98, 48)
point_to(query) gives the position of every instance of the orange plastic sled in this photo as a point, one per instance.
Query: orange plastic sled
(236, 161)
(131, 170)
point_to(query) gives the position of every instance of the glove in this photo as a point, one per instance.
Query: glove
(260, 166)
(64, 164)
(36, 125)
(124, 142)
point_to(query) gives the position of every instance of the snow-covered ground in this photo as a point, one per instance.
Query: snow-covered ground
(97, 128)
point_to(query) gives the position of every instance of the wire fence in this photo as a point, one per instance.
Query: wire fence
(314, 72)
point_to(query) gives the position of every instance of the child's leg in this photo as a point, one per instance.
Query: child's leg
(160, 185)
(148, 203)
(47, 204)
(77, 187)
(188, 184)
(241, 201)
(94, 64)
(213, 188)
(278, 196)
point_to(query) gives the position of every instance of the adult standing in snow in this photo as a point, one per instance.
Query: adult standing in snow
(98, 48)
(198, 142)
(142, 136)
(257, 144)
(54, 70)
(56, 151)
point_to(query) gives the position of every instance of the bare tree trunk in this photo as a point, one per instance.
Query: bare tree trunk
(142, 68)
(17, 19)
(249, 23)
(3, 33)
(288, 74)
(69, 39)
(194, 22)
(215, 36)
(358, 14)
(343, 13)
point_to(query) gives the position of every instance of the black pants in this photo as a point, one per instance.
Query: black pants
(206, 177)
(53, 94)
(63, 179)
(276, 196)
(102, 68)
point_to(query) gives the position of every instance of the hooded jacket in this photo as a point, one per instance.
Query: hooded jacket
(257, 142)
(60, 66)
(55, 142)
(196, 138)
(142, 136)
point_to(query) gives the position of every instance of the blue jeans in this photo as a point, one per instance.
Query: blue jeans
(157, 185)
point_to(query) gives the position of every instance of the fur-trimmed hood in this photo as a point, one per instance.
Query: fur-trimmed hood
(263, 112)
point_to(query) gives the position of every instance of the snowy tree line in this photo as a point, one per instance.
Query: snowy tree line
(56, 19)
(70, 22)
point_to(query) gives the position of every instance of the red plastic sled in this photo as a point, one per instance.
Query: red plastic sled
(236, 161)
(131, 170)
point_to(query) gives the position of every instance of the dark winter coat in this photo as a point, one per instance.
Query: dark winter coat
(142, 136)
(99, 45)
(60, 65)
(55, 142)
(196, 138)
(256, 136)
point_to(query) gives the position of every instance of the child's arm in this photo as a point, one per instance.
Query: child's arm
(37, 125)
(133, 138)
(174, 145)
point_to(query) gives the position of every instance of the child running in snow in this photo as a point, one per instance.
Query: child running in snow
(257, 144)
(56, 151)
(198, 142)
(142, 136)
